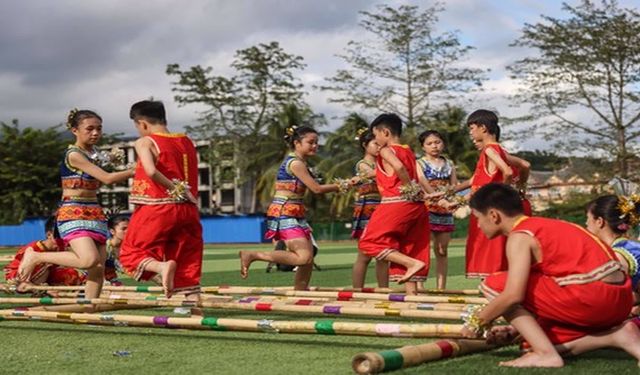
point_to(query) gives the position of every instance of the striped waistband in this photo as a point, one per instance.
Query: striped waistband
(396, 199)
(594, 275)
(71, 198)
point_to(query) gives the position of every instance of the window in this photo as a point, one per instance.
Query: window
(228, 197)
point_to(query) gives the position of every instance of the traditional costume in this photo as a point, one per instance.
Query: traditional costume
(630, 251)
(164, 227)
(55, 275)
(285, 215)
(397, 224)
(440, 219)
(80, 216)
(565, 291)
(112, 265)
(367, 199)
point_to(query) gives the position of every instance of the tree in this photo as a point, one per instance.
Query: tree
(589, 63)
(29, 171)
(239, 108)
(405, 68)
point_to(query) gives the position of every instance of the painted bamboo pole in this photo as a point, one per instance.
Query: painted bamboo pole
(466, 292)
(347, 296)
(414, 355)
(322, 327)
(325, 309)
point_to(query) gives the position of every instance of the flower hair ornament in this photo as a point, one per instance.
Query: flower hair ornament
(627, 207)
(291, 130)
(70, 117)
(360, 132)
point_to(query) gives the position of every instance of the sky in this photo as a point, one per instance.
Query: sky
(106, 55)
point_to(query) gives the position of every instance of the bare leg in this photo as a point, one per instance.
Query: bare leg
(300, 253)
(382, 273)
(167, 271)
(543, 353)
(440, 249)
(625, 336)
(359, 272)
(411, 288)
(303, 277)
(84, 254)
(413, 266)
(95, 275)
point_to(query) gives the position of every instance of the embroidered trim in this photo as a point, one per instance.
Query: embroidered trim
(591, 276)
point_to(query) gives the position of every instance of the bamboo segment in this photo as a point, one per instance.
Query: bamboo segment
(414, 355)
(322, 327)
(252, 305)
(467, 292)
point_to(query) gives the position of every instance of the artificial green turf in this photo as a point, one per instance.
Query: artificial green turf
(50, 348)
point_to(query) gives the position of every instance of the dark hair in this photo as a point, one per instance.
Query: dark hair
(365, 138)
(151, 111)
(115, 220)
(607, 208)
(486, 118)
(389, 121)
(295, 133)
(501, 197)
(425, 134)
(75, 117)
(51, 225)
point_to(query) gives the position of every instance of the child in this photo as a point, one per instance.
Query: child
(562, 285)
(117, 225)
(285, 215)
(43, 273)
(398, 229)
(367, 199)
(438, 172)
(165, 234)
(484, 256)
(81, 222)
(610, 217)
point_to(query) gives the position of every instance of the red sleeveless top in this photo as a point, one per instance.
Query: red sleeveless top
(482, 176)
(177, 159)
(389, 184)
(570, 254)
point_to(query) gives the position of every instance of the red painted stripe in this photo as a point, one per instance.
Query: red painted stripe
(345, 296)
(446, 347)
(263, 306)
(304, 302)
(368, 290)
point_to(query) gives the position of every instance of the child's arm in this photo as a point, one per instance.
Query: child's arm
(79, 161)
(300, 170)
(462, 185)
(494, 158)
(143, 148)
(453, 181)
(366, 171)
(422, 179)
(523, 166)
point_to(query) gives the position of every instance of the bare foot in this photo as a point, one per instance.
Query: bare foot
(246, 258)
(415, 268)
(533, 359)
(168, 272)
(29, 262)
(23, 287)
(627, 337)
(502, 335)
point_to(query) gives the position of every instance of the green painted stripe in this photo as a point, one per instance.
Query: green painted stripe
(151, 298)
(325, 327)
(46, 301)
(393, 360)
(142, 288)
(213, 324)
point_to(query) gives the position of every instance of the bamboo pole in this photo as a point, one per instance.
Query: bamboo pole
(346, 296)
(414, 355)
(322, 327)
(466, 292)
(325, 309)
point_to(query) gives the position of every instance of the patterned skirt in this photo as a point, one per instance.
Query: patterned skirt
(441, 222)
(81, 217)
(285, 220)
(362, 211)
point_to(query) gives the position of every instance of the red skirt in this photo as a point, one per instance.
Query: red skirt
(484, 256)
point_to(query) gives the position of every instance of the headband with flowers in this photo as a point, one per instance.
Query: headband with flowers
(70, 117)
(291, 130)
(628, 211)
(360, 132)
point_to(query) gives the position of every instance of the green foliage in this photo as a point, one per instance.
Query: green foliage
(543, 160)
(29, 171)
(404, 67)
(588, 61)
(572, 208)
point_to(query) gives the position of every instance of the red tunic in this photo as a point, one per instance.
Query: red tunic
(483, 255)
(564, 291)
(55, 275)
(163, 228)
(397, 224)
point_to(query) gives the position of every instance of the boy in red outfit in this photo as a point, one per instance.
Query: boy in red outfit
(50, 274)
(485, 256)
(398, 230)
(165, 234)
(564, 286)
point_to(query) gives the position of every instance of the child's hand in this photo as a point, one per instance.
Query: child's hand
(355, 180)
(469, 333)
(434, 195)
(190, 197)
(451, 206)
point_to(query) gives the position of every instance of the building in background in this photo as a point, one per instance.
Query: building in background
(219, 189)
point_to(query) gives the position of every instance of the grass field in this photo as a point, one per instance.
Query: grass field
(50, 348)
